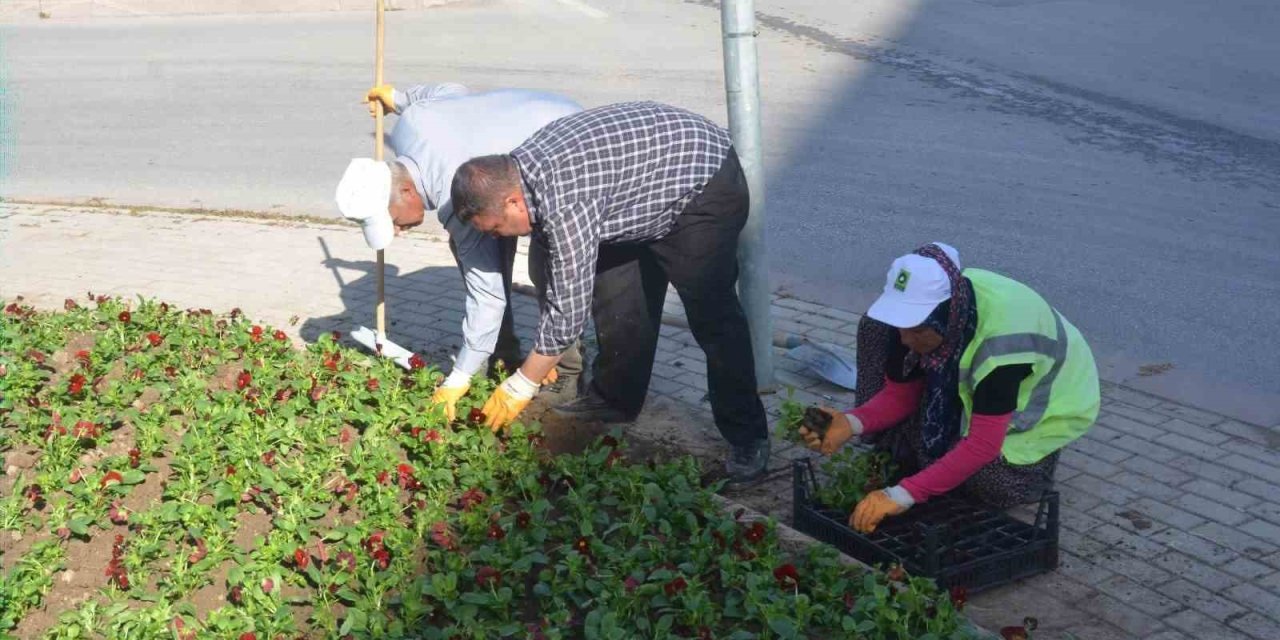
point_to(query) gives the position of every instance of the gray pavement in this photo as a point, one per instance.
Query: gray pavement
(1171, 513)
(1121, 157)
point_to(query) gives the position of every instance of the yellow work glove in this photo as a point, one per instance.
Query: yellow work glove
(551, 377)
(843, 427)
(449, 397)
(508, 400)
(877, 506)
(384, 93)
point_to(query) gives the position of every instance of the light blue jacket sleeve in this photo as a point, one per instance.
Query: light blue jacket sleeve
(427, 92)
(486, 302)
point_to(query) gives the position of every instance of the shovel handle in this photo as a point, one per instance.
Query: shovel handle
(380, 311)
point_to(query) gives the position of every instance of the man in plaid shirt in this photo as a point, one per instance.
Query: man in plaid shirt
(625, 199)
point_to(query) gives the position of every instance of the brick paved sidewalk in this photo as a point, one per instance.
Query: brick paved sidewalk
(1171, 514)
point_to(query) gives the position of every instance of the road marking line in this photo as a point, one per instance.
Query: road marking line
(584, 8)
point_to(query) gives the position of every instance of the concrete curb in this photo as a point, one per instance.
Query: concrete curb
(29, 10)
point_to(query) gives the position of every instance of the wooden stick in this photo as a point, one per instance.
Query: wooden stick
(380, 311)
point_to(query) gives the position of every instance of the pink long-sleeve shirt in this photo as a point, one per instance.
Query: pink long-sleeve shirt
(981, 446)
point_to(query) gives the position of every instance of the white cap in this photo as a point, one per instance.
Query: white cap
(913, 288)
(363, 195)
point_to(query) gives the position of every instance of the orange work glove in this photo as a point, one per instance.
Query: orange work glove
(876, 507)
(508, 400)
(843, 427)
(552, 376)
(449, 397)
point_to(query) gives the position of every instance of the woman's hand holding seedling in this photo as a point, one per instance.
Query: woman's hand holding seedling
(827, 438)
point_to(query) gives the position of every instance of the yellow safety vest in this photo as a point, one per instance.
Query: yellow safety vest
(1059, 401)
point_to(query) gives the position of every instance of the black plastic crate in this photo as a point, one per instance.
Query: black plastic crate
(955, 541)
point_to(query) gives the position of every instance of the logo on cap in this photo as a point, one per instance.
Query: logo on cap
(901, 282)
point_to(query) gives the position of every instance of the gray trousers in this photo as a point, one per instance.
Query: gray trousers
(508, 348)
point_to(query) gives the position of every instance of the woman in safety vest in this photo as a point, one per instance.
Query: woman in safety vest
(997, 380)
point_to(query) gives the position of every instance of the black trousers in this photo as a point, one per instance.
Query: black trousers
(700, 258)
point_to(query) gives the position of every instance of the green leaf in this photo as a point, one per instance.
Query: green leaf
(224, 495)
(356, 621)
(664, 625)
(79, 525)
(784, 627)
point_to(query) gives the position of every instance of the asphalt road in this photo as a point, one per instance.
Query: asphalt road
(1121, 157)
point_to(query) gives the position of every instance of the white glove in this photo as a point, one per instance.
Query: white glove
(519, 387)
(457, 379)
(900, 496)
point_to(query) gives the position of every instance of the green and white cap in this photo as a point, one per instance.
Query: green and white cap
(913, 288)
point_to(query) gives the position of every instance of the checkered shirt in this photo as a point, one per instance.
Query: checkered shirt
(618, 173)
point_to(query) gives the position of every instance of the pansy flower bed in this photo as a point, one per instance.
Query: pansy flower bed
(178, 474)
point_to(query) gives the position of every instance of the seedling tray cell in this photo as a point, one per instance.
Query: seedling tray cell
(954, 540)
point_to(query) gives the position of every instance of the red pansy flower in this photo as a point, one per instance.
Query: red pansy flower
(787, 576)
(85, 429)
(200, 552)
(154, 338)
(472, 497)
(125, 316)
(675, 586)
(110, 477)
(486, 576)
(347, 561)
(244, 379)
(440, 535)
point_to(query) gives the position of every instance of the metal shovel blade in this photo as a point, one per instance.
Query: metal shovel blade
(370, 340)
(832, 363)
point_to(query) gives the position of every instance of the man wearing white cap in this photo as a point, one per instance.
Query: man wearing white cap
(440, 127)
(997, 381)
